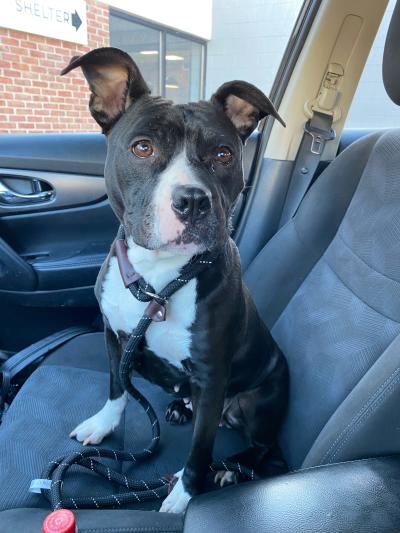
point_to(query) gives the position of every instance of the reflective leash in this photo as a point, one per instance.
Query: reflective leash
(137, 490)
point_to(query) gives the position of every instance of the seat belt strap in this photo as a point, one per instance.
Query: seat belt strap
(317, 132)
(21, 360)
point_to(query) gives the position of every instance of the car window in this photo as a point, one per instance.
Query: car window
(371, 106)
(248, 40)
(185, 50)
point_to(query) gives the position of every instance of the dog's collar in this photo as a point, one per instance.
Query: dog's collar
(143, 291)
(156, 308)
(127, 270)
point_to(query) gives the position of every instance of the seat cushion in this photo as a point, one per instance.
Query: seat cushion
(86, 351)
(56, 398)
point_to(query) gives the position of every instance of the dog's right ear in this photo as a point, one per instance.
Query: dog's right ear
(115, 82)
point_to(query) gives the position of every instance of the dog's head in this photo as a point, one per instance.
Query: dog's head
(173, 172)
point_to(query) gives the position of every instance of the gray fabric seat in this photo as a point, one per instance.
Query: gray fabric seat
(71, 386)
(331, 298)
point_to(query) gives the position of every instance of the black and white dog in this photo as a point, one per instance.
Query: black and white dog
(173, 173)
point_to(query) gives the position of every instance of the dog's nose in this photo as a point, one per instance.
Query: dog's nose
(190, 203)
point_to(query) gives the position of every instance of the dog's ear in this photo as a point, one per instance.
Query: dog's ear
(115, 82)
(245, 106)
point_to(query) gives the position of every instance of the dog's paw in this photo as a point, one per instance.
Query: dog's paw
(94, 429)
(178, 412)
(226, 477)
(178, 499)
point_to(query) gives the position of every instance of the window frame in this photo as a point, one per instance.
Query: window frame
(163, 31)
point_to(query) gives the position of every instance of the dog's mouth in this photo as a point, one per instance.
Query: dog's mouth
(191, 241)
(167, 234)
(197, 237)
(178, 247)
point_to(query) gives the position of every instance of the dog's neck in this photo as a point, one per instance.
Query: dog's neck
(158, 267)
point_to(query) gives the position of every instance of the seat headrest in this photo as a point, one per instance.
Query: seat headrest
(391, 57)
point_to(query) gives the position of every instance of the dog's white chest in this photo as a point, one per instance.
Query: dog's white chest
(170, 339)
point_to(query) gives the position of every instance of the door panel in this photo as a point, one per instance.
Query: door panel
(65, 247)
(51, 250)
(74, 153)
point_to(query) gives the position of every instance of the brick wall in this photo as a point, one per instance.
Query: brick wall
(33, 96)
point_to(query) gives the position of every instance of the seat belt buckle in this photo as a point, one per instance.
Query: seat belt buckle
(319, 137)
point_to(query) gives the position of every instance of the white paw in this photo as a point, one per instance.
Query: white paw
(94, 429)
(225, 477)
(177, 501)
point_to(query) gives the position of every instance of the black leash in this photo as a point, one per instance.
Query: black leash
(137, 490)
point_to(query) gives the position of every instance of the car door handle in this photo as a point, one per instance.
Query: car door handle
(10, 197)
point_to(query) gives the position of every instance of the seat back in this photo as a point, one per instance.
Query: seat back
(330, 292)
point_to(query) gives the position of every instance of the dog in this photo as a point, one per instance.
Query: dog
(173, 174)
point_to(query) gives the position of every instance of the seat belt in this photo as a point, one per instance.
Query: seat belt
(317, 132)
(21, 360)
(323, 109)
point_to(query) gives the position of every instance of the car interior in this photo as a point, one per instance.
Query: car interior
(320, 254)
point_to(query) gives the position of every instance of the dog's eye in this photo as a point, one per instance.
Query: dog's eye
(143, 148)
(223, 155)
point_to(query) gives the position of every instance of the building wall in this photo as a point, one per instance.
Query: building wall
(33, 96)
(248, 40)
(190, 16)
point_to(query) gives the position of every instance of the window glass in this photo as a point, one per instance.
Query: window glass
(182, 69)
(248, 40)
(142, 43)
(371, 106)
(185, 50)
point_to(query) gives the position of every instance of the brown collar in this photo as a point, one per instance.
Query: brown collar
(128, 273)
(155, 310)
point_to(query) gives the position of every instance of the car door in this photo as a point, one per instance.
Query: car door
(56, 227)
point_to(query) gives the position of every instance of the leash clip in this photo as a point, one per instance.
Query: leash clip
(154, 296)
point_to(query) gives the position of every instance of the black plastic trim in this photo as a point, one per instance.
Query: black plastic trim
(15, 273)
(69, 272)
(71, 297)
(74, 153)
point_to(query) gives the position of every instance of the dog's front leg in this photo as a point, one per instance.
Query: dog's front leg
(94, 429)
(208, 400)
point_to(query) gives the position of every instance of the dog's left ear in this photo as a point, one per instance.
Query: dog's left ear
(114, 80)
(245, 106)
